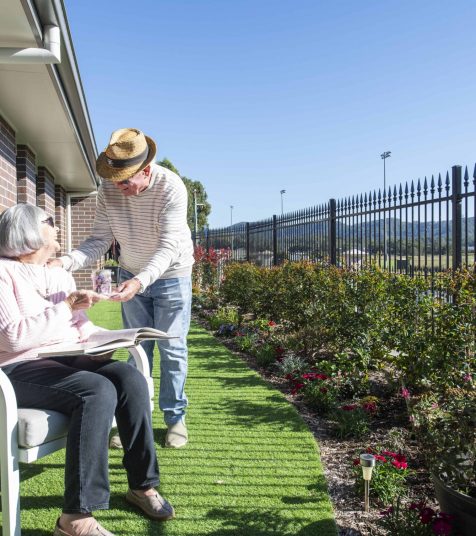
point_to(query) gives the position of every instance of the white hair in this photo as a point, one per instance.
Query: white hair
(20, 232)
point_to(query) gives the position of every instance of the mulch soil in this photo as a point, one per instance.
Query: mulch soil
(389, 426)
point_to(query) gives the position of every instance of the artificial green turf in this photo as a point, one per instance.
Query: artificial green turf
(251, 467)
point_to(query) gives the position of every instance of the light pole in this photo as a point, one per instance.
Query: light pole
(231, 226)
(195, 221)
(282, 192)
(195, 214)
(384, 157)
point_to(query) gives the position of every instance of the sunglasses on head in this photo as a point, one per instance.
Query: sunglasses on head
(49, 220)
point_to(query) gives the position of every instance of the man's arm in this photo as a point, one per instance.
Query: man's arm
(172, 224)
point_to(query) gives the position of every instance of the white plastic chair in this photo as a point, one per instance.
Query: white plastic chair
(27, 435)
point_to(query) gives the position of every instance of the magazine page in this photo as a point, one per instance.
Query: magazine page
(103, 341)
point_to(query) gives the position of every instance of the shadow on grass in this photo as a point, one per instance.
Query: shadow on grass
(259, 523)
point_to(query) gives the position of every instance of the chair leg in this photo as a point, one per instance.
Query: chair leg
(10, 489)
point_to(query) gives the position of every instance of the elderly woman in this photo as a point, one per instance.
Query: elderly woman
(40, 306)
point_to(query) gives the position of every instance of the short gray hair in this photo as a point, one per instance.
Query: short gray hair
(20, 232)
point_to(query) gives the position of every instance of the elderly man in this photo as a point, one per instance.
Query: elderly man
(144, 207)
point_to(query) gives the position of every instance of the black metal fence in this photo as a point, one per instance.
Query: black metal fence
(413, 228)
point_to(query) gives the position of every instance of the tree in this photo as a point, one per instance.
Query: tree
(203, 206)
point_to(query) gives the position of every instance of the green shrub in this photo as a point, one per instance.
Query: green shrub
(224, 315)
(350, 420)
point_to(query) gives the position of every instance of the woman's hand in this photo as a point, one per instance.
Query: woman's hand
(83, 299)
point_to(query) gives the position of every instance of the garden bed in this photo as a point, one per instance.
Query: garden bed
(390, 425)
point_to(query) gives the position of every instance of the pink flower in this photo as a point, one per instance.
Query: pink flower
(467, 377)
(380, 458)
(427, 515)
(405, 393)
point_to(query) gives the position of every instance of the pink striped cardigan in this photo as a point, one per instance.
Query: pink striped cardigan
(29, 320)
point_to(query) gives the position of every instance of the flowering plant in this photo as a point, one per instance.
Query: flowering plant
(416, 519)
(446, 426)
(352, 420)
(388, 476)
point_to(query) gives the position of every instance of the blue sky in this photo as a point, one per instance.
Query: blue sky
(254, 96)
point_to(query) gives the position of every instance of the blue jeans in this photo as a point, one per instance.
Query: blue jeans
(165, 305)
(91, 393)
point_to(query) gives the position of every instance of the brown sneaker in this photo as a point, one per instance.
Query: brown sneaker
(177, 436)
(115, 442)
(95, 530)
(154, 506)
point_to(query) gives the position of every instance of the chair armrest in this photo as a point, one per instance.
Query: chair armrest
(8, 412)
(142, 363)
(8, 400)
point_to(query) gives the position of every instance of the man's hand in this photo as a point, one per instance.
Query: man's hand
(126, 291)
(83, 299)
(54, 262)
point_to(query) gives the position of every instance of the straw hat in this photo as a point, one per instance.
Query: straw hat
(129, 151)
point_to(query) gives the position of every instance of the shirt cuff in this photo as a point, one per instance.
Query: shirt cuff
(67, 261)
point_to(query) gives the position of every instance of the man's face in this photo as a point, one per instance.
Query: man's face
(136, 184)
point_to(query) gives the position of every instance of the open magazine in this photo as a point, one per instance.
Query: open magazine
(104, 341)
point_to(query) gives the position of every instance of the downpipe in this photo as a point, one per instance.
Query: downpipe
(50, 54)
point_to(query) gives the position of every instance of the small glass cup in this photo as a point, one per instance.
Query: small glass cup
(102, 281)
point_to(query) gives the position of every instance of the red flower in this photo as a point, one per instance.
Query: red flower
(441, 527)
(369, 407)
(399, 465)
(350, 407)
(297, 388)
(392, 454)
(314, 376)
(279, 351)
(380, 458)
(289, 376)
(323, 390)
(387, 512)
(427, 515)
(400, 458)
(417, 506)
(356, 461)
(271, 324)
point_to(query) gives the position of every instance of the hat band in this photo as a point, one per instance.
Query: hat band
(127, 162)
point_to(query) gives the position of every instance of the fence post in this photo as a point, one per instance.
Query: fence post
(332, 232)
(456, 217)
(247, 230)
(275, 241)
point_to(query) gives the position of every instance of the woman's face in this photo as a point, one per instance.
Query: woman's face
(49, 233)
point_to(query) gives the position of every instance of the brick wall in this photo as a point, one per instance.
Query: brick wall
(8, 178)
(82, 218)
(60, 215)
(45, 191)
(26, 175)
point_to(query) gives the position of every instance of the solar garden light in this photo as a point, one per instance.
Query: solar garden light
(367, 461)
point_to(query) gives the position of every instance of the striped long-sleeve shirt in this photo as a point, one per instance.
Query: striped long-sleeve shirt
(151, 228)
(27, 319)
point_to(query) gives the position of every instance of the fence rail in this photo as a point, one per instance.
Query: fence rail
(413, 228)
